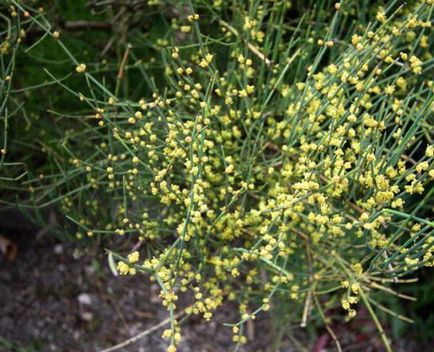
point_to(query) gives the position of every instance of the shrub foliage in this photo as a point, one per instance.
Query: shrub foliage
(277, 154)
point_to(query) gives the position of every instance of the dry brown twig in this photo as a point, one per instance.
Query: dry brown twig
(251, 47)
(140, 335)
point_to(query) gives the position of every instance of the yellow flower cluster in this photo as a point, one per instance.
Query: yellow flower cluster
(275, 164)
(247, 187)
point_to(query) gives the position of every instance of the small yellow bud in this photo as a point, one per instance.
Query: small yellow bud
(133, 257)
(81, 68)
(171, 348)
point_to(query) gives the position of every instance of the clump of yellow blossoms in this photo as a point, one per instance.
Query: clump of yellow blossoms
(277, 167)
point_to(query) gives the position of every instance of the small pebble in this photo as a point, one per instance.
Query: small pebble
(84, 298)
(58, 249)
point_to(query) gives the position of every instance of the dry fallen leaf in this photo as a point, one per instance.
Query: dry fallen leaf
(8, 248)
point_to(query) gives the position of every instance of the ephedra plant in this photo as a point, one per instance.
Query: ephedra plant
(274, 154)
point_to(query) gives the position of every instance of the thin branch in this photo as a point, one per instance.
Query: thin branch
(139, 336)
(78, 25)
(251, 47)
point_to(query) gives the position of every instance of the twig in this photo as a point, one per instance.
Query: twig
(251, 47)
(77, 25)
(137, 245)
(140, 335)
(376, 322)
(389, 290)
(308, 302)
(329, 329)
(391, 312)
(250, 330)
(121, 71)
(123, 63)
